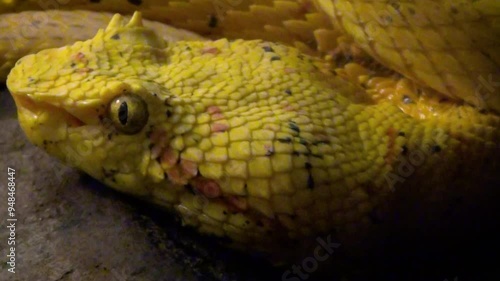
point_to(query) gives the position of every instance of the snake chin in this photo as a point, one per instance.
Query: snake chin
(43, 122)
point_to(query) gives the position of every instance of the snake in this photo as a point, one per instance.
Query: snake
(265, 123)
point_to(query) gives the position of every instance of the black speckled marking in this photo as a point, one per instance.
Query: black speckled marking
(285, 140)
(407, 100)
(304, 142)
(294, 127)
(268, 49)
(321, 142)
(109, 173)
(404, 150)
(123, 113)
(436, 148)
(395, 5)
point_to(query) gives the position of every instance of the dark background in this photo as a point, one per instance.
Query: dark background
(71, 227)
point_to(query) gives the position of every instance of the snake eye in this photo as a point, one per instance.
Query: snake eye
(129, 113)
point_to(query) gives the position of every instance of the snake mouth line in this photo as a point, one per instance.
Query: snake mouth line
(35, 109)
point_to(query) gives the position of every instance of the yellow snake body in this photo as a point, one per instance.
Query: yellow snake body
(258, 141)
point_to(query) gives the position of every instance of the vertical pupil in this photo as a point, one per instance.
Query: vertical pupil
(123, 113)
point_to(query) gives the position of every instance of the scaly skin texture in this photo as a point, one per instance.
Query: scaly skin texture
(293, 22)
(449, 45)
(249, 140)
(30, 32)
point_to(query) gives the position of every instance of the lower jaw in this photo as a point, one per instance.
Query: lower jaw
(42, 122)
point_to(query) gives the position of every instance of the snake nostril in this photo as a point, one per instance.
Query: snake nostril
(26, 59)
(36, 109)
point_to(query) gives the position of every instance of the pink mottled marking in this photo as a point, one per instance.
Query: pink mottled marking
(219, 127)
(79, 57)
(156, 136)
(155, 151)
(289, 70)
(190, 168)
(210, 50)
(169, 157)
(237, 203)
(207, 187)
(176, 176)
(213, 109)
(268, 223)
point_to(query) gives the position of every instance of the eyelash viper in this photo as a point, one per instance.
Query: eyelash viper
(263, 142)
